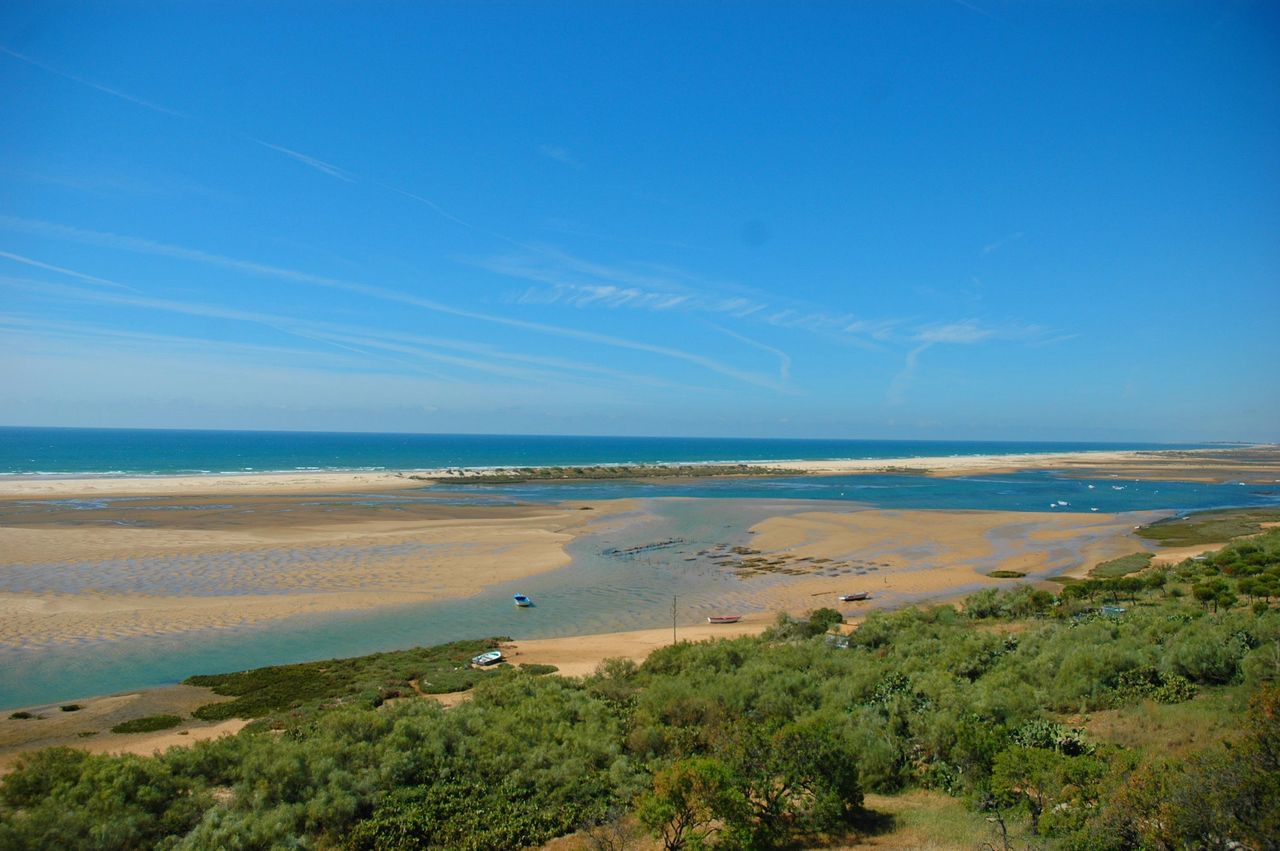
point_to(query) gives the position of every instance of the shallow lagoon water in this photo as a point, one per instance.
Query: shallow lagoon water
(599, 591)
(1024, 491)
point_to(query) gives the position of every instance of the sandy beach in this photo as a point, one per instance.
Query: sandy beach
(1245, 463)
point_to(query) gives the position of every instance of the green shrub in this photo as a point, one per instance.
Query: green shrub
(1150, 683)
(538, 669)
(1123, 566)
(369, 680)
(147, 724)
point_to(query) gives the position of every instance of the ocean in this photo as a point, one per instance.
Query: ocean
(68, 451)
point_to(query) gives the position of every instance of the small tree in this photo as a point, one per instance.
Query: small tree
(689, 802)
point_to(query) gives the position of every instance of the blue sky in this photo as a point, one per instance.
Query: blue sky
(917, 220)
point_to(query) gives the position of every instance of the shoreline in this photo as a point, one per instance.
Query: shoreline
(1252, 462)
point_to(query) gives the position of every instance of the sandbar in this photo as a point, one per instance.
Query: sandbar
(1259, 463)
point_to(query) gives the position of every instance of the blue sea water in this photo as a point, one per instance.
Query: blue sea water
(26, 450)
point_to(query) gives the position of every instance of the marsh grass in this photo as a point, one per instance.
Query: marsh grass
(1209, 527)
(368, 680)
(1122, 566)
(609, 471)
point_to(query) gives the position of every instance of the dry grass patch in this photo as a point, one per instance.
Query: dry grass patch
(1173, 729)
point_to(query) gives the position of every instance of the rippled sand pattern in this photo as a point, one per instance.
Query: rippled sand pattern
(258, 570)
(208, 567)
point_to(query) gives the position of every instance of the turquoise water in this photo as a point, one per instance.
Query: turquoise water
(1023, 491)
(28, 451)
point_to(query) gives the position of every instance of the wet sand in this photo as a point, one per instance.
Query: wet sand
(71, 575)
(66, 576)
(907, 555)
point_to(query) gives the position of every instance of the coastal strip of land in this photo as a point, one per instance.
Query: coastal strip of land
(1256, 464)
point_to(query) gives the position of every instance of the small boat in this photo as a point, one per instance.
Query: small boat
(522, 601)
(724, 618)
(493, 657)
(853, 598)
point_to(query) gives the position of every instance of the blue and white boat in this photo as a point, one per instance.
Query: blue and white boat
(522, 600)
(493, 657)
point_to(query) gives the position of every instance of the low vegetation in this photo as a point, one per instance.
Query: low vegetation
(611, 471)
(367, 681)
(1040, 720)
(1006, 574)
(1209, 527)
(148, 724)
(1122, 566)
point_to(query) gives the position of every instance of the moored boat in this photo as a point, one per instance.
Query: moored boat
(522, 600)
(724, 618)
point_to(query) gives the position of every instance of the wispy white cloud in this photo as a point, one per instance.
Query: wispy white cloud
(603, 295)
(155, 107)
(146, 246)
(966, 332)
(963, 333)
(93, 336)
(784, 359)
(877, 329)
(559, 154)
(977, 9)
(488, 359)
(314, 162)
(898, 386)
(49, 267)
(579, 283)
(993, 247)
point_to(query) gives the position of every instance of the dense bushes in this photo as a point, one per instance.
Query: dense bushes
(149, 724)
